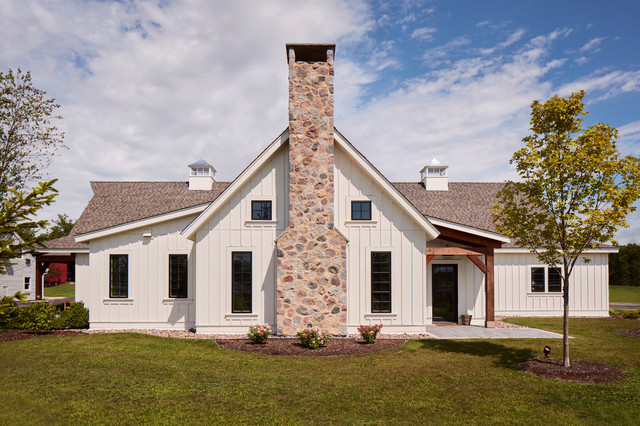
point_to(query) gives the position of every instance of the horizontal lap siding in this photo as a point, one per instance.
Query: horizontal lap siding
(392, 230)
(588, 287)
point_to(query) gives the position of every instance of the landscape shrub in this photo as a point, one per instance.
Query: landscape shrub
(312, 338)
(77, 316)
(9, 309)
(259, 333)
(37, 317)
(627, 314)
(369, 333)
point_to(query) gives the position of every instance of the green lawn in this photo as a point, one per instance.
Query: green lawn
(135, 378)
(67, 289)
(624, 294)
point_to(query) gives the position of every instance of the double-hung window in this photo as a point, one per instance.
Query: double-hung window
(118, 276)
(546, 279)
(380, 281)
(178, 275)
(241, 282)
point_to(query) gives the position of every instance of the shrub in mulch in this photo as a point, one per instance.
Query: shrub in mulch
(336, 347)
(580, 371)
(632, 332)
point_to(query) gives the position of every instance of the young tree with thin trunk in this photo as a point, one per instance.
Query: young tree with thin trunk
(575, 190)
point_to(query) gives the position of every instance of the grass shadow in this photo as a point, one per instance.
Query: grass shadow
(505, 356)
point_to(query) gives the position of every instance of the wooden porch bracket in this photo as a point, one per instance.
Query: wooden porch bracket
(478, 263)
(430, 257)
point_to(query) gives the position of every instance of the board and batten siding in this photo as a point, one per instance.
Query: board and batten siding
(588, 287)
(231, 229)
(391, 229)
(148, 304)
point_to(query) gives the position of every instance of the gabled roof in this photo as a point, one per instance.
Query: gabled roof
(117, 203)
(65, 244)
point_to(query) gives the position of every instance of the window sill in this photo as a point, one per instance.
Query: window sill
(117, 301)
(260, 222)
(361, 222)
(176, 301)
(241, 315)
(380, 315)
(544, 293)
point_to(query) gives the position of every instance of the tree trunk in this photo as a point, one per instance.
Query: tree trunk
(565, 323)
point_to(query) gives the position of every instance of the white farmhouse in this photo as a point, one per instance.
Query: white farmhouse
(20, 274)
(309, 234)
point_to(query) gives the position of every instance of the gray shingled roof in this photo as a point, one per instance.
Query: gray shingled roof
(66, 243)
(116, 203)
(465, 203)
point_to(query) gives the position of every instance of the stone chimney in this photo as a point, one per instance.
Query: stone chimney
(434, 177)
(311, 253)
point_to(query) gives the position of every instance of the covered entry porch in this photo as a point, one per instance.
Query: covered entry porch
(460, 271)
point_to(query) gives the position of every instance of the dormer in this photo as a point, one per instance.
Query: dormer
(201, 176)
(434, 177)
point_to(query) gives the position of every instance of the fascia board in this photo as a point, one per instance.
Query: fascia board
(190, 231)
(469, 230)
(83, 238)
(520, 250)
(425, 223)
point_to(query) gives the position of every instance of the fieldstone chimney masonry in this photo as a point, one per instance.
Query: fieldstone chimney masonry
(312, 285)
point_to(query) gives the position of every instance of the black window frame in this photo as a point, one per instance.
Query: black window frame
(357, 211)
(241, 282)
(381, 282)
(178, 276)
(118, 276)
(261, 210)
(538, 280)
(546, 279)
(557, 285)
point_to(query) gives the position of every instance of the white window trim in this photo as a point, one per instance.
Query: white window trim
(396, 275)
(546, 281)
(375, 213)
(132, 270)
(274, 212)
(255, 290)
(165, 276)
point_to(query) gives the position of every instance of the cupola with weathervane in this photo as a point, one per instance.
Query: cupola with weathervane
(201, 176)
(434, 177)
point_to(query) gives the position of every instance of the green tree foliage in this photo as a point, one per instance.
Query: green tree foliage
(575, 189)
(17, 213)
(28, 139)
(624, 267)
(9, 309)
(61, 227)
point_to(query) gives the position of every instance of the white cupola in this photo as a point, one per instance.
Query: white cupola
(201, 175)
(434, 177)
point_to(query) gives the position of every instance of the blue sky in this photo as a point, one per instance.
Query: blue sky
(148, 87)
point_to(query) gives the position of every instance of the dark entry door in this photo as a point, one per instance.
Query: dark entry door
(445, 292)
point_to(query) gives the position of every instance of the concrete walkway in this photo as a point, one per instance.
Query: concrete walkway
(624, 306)
(477, 332)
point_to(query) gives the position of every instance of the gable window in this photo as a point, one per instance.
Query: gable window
(118, 276)
(27, 262)
(241, 282)
(261, 210)
(27, 283)
(380, 281)
(546, 279)
(178, 275)
(361, 210)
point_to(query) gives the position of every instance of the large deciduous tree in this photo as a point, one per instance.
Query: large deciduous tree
(28, 137)
(575, 189)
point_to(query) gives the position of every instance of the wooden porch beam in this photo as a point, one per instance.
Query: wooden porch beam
(478, 263)
(453, 251)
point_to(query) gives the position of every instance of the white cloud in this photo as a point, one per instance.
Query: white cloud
(592, 45)
(605, 85)
(424, 33)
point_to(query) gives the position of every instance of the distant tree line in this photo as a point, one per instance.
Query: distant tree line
(624, 267)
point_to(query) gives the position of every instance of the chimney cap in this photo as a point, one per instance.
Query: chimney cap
(202, 163)
(311, 52)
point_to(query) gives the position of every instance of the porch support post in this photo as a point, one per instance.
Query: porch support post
(490, 320)
(40, 267)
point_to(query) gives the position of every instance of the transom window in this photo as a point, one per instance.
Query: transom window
(118, 276)
(380, 281)
(241, 282)
(178, 275)
(361, 210)
(261, 210)
(545, 279)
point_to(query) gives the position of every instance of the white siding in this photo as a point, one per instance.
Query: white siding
(231, 229)
(14, 280)
(390, 229)
(588, 287)
(148, 304)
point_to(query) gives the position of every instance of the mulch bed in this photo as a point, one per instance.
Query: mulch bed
(633, 332)
(580, 371)
(335, 347)
(13, 334)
